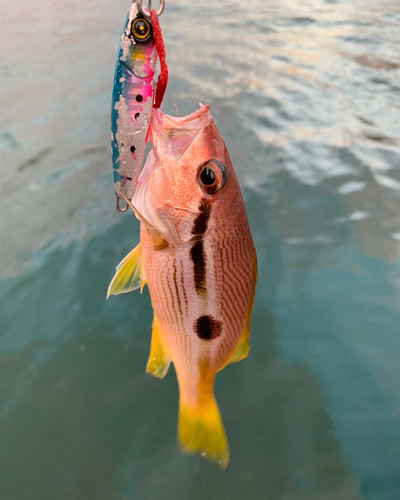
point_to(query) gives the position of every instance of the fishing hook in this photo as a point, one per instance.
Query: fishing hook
(146, 12)
(119, 206)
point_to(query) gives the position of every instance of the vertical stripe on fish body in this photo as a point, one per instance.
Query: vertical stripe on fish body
(132, 100)
(202, 283)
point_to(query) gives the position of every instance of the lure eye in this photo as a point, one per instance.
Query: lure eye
(212, 176)
(141, 29)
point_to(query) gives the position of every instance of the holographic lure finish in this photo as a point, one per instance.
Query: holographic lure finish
(132, 100)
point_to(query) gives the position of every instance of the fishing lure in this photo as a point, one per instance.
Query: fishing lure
(132, 99)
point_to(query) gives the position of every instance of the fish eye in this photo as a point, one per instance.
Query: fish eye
(141, 29)
(212, 176)
(208, 177)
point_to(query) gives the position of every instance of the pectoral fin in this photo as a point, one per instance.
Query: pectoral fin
(159, 361)
(130, 274)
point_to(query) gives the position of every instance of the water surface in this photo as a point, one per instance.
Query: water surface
(307, 97)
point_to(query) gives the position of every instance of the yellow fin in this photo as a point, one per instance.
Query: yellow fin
(158, 363)
(129, 275)
(242, 349)
(201, 431)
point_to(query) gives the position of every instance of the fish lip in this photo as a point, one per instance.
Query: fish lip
(171, 136)
(170, 122)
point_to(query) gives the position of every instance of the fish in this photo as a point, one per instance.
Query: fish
(132, 100)
(197, 256)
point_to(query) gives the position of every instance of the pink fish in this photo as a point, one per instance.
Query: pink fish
(197, 256)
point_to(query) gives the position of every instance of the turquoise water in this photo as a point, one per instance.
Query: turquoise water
(307, 97)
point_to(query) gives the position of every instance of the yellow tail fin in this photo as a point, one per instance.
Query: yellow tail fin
(201, 431)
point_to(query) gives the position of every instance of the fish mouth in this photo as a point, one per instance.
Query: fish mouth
(181, 125)
(171, 136)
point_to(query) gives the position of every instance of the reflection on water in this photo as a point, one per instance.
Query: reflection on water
(307, 96)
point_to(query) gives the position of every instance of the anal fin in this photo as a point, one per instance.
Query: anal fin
(159, 361)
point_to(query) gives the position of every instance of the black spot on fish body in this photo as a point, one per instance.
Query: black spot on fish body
(133, 149)
(139, 98)
(137, 115)
(201, 221)
(198, 257)
(207, 327)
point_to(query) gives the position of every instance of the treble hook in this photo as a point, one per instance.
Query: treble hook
(146, 12)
